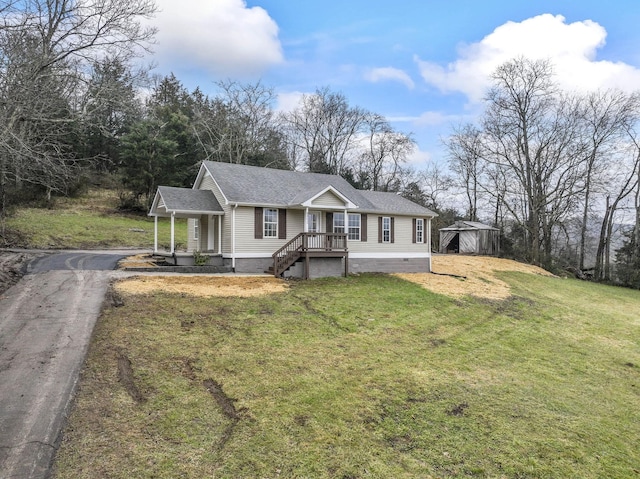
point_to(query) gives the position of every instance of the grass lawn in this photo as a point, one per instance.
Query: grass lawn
(91, 221)
(363, 377)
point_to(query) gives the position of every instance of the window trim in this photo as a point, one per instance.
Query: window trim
(335, 228)
(387, 230)
(419, 230)
(345, 224)
(359, 227)
(273, 233)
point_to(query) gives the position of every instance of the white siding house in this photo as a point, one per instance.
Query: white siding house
(305, 224)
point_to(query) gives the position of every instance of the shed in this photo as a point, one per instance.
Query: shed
(470, 237)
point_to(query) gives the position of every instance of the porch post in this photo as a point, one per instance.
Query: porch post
(346, 224)
(173, 236)
(155, 234)
(210, 233)
(306, 220)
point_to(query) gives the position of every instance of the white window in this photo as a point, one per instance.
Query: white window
(338, 222)
(313, 223)
(270, 223)
(386, 229)
(419, 230)
(354, 227)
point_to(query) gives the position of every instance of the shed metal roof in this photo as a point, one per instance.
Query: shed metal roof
(468, 225)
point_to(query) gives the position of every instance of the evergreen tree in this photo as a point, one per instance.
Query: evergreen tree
(628, 262)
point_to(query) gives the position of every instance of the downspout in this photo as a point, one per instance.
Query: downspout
(346, 242)
(173, 236)
(233, 237)
(429, 240)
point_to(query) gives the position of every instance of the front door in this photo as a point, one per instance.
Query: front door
(313, 222)
(314, 226)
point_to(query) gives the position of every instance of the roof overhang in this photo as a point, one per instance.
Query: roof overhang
(202, 173)
(348, 204)
(163, 207)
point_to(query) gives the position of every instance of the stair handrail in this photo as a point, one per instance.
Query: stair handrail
(292, 250)
(287, 255)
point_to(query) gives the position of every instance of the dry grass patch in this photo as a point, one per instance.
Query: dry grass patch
(479, 276)
(143, 260)
(203, 286)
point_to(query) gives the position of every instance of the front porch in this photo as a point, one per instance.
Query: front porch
(204, 216)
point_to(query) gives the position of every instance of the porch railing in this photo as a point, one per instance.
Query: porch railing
(305, 243)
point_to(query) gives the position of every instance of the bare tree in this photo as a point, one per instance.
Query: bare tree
(324, 130)
(465, 150)
(531, 132)
(385, 152)
(435, 185)
(624, 177)
(240, 126)
(607, 117)
(47, 48)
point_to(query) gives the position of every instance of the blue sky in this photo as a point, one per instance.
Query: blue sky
(422, 64)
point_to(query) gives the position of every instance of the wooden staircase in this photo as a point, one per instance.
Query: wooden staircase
(306, 245)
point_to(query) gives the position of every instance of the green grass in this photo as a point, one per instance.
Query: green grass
(365, 377)
(91, 221)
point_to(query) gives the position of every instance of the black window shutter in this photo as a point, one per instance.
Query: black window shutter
(415, 222)
(393, 238)
(258, 228)
(282, 224)
(379, 229)
(363, 227)
(329, 227)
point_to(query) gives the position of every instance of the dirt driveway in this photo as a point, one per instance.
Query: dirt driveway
(46, 321)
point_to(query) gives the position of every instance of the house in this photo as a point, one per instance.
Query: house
(254, 219)
(470, 237)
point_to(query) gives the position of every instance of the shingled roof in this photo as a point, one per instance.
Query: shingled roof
(186, 201)
(251, 185)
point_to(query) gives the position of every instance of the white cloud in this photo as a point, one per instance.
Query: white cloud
(389, 74)
(571, 47)
(432, 118)
(419, 158)
(289, 101)
(222, 36)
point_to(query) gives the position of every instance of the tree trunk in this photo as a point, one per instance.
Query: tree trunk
(585, 216)
(3, 194)
(636, 232)
(607, 249)
(599, 266)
